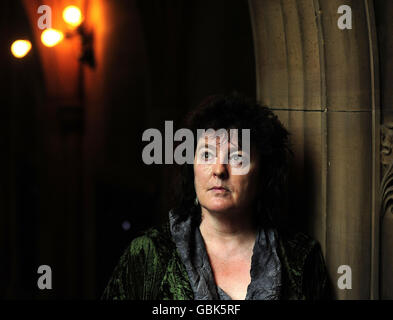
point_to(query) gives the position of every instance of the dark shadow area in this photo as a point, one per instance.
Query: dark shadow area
(74, 190)
(21, 161)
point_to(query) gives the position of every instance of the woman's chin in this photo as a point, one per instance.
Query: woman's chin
(222, 206)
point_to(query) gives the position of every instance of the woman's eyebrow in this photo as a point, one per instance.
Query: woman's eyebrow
(235, 147)
(232, 147)
(206, 145)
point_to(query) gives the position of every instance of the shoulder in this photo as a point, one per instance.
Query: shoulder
(141, 267)
(154, 240)
(304, 265)
(296, 244)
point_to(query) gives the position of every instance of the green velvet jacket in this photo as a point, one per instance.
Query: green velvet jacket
(151, 269)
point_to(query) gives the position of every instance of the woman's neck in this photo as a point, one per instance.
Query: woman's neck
(227, 230)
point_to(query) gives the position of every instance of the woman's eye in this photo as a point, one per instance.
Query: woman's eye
(206, 156)
(236, 159)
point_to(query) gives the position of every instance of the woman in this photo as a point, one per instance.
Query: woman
(222, 241)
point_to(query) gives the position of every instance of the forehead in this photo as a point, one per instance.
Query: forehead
(217, 138)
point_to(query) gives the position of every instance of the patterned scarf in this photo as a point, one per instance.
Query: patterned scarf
(265, 265)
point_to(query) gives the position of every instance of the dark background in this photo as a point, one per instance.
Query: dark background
(71, 170)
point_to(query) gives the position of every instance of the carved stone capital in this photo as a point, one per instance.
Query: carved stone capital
(387, 144)
(387, 167)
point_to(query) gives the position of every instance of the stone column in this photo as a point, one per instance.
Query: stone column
(322, 83)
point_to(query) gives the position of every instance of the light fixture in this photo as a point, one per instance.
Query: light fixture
(51, 37)
(20, 48)
(73, 16)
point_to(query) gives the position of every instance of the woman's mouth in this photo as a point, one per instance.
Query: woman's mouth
(219, 189)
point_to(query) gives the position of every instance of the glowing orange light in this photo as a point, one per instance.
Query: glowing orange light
(51, 37)
(20, 48)
(72, 15)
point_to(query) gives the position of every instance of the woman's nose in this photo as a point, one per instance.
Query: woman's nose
(220, 170)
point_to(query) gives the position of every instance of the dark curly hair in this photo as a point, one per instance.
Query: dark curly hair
(268, 138)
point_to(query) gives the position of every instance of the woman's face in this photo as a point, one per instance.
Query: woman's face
(217, 188)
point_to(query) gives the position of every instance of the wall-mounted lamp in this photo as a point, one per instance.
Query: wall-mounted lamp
(72, 15)
(51, 37)
(20, 48)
